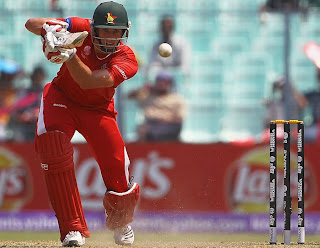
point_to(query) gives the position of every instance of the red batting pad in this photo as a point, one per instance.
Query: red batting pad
(120, 206)
(56, 156)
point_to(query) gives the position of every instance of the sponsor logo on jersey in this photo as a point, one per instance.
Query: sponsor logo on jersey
(87, 50)
(59, 105)
(122, 72)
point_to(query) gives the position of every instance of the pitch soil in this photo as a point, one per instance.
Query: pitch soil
(160, 244)
(155, 240)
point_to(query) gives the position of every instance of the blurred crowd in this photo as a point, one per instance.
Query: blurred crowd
(163, 106)
(20, 94)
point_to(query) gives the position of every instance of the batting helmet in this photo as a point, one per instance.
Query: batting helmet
(110, 15)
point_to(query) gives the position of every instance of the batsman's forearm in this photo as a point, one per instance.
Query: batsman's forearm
(86, 78)
(34, 25)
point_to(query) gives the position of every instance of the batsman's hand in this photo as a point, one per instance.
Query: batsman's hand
(55, 34)
(62, 55)
(52, 31)
(58, 55)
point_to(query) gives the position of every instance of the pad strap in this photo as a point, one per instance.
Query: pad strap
(120, 207)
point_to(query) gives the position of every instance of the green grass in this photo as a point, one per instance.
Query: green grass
(22, 236)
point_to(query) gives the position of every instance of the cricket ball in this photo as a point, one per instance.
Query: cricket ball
(165, 50)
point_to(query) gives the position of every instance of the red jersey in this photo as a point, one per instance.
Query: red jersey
(121, 65)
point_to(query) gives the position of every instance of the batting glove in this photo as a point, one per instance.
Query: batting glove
(58, 55)
(62, 55)
(52, 31)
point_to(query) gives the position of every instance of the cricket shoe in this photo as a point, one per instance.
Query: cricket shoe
(71, 40)
(124, 236)
(73, 238)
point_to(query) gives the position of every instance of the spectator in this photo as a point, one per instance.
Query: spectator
(312, 113)
(10, 72)
(180, 58)
(26, 109)
(164, 110)
(312, 3)
(279, 6)
(54, 7)
(275, 107)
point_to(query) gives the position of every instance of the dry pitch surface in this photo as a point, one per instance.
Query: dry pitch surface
(152, 240)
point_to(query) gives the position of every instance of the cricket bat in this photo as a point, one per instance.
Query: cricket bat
(312, 51)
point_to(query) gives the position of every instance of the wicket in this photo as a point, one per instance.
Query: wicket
(287, 203)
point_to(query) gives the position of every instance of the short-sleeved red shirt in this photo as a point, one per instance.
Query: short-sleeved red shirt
(121, 65)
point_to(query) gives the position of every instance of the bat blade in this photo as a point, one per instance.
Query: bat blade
(312, 51)
(74, 40)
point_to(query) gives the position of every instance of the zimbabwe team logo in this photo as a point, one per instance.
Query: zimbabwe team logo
(110, 18)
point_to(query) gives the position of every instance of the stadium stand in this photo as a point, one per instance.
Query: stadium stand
(231, 67)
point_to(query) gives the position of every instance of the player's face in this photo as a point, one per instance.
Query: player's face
(107, 40)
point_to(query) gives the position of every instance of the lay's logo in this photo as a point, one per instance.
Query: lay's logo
(15, 181)
(110, 18)
(248, 182)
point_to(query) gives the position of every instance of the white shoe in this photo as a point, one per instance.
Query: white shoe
(124, 236)
(73, 238)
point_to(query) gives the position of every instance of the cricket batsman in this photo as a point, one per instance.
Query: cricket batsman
(95, 60)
